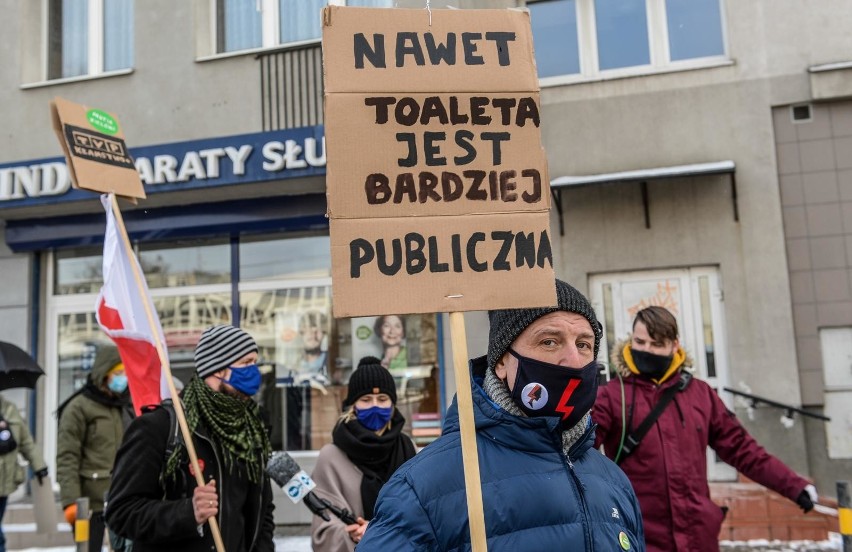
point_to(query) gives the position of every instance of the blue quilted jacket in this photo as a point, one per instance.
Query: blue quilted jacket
(534, 498)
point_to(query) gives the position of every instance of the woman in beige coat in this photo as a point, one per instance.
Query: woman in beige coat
(367, 447)
(11, 472)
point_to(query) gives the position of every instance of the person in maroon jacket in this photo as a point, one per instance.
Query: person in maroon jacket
(668, 468)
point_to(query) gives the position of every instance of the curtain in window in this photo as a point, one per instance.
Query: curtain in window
(118, 34)
(300, 19)
(75, 37)
(239, 25)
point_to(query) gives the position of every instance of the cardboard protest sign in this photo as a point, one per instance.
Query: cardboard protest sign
(437, 183)
(93, 143)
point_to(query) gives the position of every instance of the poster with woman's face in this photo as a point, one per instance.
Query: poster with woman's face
(384, 337)
(301, 347)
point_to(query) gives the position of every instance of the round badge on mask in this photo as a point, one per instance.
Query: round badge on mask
(535, 396)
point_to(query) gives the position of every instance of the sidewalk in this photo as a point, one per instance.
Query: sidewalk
(288, 538)
(282, 544)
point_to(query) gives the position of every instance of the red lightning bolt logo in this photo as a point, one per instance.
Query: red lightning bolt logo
(563, 406)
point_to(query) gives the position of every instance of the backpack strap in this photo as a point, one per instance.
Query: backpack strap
(668, 395)
(175, 437)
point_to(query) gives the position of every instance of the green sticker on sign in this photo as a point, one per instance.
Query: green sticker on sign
(624, 541)
(102, 121)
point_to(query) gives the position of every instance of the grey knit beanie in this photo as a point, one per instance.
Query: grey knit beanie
(507, 325)
(220, 347)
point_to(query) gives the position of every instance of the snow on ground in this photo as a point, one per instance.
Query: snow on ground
(282, 544)
(301, 543)
(834, 543)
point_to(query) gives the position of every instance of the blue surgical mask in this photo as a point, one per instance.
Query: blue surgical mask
(375, 417)
(118, 383)
(245, 379)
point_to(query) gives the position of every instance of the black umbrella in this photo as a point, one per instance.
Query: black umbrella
(17, 368)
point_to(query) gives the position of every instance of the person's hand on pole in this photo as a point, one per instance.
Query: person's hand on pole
(205, 502)
(356, 530)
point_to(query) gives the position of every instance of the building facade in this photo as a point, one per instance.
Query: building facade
(700, 157)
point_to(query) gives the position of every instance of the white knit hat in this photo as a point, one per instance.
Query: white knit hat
(220, 347)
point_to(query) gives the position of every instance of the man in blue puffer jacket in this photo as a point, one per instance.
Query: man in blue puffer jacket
(543, 485)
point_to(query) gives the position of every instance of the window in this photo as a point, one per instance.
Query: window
(593, 37)
(78, 271)
(554, 27)
(283, 298)
(185, 264)
(288, 258)
(836, 348)
(89, 37)
(622, 27)
(243, 25)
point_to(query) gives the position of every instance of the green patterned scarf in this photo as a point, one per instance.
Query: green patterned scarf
(232, 423)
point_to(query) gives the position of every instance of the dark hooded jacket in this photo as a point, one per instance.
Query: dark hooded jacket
(91, 425)
(12, 473)
(668, 469)
(155, 511)
(534, 498)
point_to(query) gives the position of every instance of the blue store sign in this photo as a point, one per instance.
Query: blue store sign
(225, 161)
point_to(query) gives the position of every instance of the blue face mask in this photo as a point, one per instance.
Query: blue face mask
(375, 417)
(118, 383)
(246, 379)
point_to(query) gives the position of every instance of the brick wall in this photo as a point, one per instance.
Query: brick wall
(758, 513)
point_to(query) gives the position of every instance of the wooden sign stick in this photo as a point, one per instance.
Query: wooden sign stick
(167, 371)
(470, 456)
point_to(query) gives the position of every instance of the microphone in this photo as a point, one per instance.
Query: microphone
(298, 486)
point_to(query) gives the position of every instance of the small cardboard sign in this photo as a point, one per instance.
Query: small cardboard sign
(437, 184)
(93, 143)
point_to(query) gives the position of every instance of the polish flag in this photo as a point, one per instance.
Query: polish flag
(121, 314)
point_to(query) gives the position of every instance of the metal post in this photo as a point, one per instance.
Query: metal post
(81, 525)
(844, 513)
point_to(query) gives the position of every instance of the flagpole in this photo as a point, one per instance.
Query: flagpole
(164, 363)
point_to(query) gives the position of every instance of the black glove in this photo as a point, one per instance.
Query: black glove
(41, 474)
(804, 501)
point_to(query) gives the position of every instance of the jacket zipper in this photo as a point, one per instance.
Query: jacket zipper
(220, 482)
(581, 488)
(260, 516)
(581, 492)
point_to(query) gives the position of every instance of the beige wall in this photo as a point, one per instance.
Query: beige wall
(815, 178)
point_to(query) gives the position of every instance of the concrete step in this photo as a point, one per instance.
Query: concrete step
(20, 529)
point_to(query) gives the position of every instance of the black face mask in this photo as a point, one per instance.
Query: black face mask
(649, 364)
(544, 389)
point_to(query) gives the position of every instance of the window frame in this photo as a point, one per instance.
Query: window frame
(658, 45)
(95, 48)
(269, 28)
